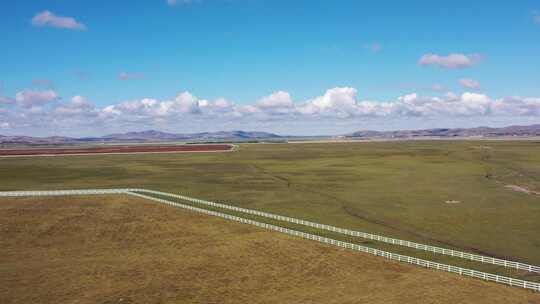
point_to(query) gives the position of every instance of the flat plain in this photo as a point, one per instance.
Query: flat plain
(120, 249)
(453, 194)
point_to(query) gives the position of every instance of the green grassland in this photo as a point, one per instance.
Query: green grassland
(398, 189)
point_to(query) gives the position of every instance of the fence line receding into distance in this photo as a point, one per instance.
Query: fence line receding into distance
(392, 256)
(402, 258)
(365, 235)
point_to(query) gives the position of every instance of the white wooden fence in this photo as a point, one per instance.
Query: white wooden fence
(365, 235)
(63, 192)
(402, 258)
(398, 257)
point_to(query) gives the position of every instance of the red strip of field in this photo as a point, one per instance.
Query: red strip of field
(115, 149)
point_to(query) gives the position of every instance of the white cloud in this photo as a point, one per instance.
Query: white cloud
(279, 99)
(220, 105)
(248, 109)
(451, 61)
(414, 105)
(78, 105)
(47, 18)
(145, 106)
(336, 98)
(469, 83)
(339, 101)
(183, 103)
(30, 98)
(130, 76)
(517, 106)
(109, 111)
(337, 106)
(471, 104)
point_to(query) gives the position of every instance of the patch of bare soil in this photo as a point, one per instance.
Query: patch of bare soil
(125, 250)
(521, 189)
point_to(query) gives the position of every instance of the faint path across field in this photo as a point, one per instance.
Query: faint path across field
(345, 206)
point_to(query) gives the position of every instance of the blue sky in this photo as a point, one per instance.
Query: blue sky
(112, 52)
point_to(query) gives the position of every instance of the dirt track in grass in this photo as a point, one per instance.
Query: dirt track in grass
(125, 250)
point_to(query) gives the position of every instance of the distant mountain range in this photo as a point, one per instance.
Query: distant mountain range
(523, 131)
(158, 136)
(144, 136)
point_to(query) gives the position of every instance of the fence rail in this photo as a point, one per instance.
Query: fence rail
(365, 235)
(393, 256)
(63, 192)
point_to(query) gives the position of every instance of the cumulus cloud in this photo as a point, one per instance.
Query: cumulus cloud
(467, 104)
(517, 106)
(186, 102)
(47, 18)
(451, 61)
(77, 105)
(183, 103)
(335, 106)
(30, 98)
(279, 99)
(130, 76)
(340, 102)
(336, 101)
(220, 105)
(469, 83)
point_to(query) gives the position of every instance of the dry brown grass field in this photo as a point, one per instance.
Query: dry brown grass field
(121, 249)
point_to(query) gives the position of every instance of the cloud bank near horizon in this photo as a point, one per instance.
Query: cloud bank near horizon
(45, 112)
